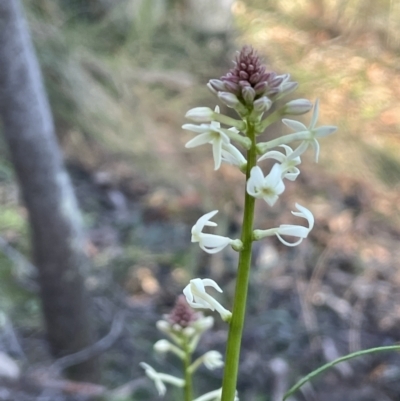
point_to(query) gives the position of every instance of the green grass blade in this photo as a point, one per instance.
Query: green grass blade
(327, 366)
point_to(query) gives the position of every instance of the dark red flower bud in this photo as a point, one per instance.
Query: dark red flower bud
(182, 314)
(249, 72)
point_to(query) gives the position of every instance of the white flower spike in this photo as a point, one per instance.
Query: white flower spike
(209, 133)
(288, 161)
(311, 133)
(210, 243)
(197, 297)
(268, 188)
(289, 229)
(161, 378)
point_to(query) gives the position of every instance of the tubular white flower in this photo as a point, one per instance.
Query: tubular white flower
(197, 297)
(209, 133)
(209, 243)
(288, 161)
(268, 188)
(289, 229)
(310, 134)
(161, 378)
(212, 360)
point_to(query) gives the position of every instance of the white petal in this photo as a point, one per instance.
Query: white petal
(274, 179)
(293, 230)
(199, 129)
(204, 220)
(257, 176)
(289, 243)
(187, 292)
(211, 396)
(295, 125)
(314, 117)
(271, 199)
(217, 153)
(292, 174)
(214, 241)
(199, 140)
(315, 146)
(211, 283)
(273, 154)
(305, 213)
(288, 149)
(299, 150)
(324, 131)
(232, 155)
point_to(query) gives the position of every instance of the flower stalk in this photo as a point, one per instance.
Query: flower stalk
(242, 283)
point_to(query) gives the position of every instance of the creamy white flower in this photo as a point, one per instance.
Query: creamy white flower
(289, 229)
(309, 134)
(209, 133)
(212, 360)
(209, 243)
(161, 378)
(288, 162)
(197, 297)
(268, 188)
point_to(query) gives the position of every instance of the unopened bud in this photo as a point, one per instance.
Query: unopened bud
(204, 323)
(248, 94)
(262, 105)
(163, 326)
(200, 114)
(229, 99)
(213, 360)
(297, 107)
(162, 346)
(288, 87)
(261, 88)
(218, 85)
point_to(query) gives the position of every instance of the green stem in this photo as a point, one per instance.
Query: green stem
(188, 395)
(239, 303)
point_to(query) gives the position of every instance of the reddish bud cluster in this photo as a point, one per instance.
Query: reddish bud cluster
(182, 314)
(248, 80)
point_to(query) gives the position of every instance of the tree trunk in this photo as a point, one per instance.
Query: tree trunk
(57, 235)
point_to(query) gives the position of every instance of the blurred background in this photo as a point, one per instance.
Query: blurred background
(120, 75)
